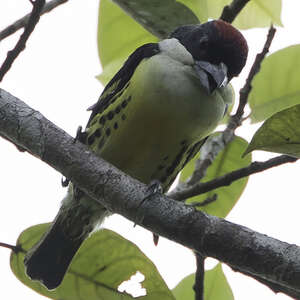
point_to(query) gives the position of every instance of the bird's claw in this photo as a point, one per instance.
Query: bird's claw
(65, 182)
(153, 188)
(80, 135)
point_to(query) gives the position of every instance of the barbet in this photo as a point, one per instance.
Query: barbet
(150, 120)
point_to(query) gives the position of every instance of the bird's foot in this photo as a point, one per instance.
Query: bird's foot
(80, 135)
(65, 182)
(153, 188)
(155, 238)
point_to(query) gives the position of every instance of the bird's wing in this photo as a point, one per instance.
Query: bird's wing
(120, 80)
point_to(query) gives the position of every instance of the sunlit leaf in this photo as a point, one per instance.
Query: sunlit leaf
(118, 36)
(280, 133)
(216, 286)
(257, 13)
(227, 161)
(103, 262)
(277, 85)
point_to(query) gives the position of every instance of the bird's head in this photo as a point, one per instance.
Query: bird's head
(215, 42)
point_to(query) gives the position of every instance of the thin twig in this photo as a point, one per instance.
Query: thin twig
(227, 179)
(11, 29)
(20, 46)
(231, 11)
(236, 120)
(245, 91)
(11, 247)
(199, 277)
(205, 202)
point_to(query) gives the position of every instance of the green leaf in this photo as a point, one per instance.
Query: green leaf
(158, 17)
(216, 286)
(280, 133)
(277, 85)
(118, 36)
(103, 262)
(227, 161)
(257, 13)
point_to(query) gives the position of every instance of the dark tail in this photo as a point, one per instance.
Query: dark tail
(49, 260)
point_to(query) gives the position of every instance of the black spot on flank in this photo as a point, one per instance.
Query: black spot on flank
(98, 132)
(91, 139)
(110, 115)
(102, 120)
(120, 94)
(166, 157)
(128, 99)
(107, 131)
(113, 100)
(116, 125)
(160, 167)
(118, 109)
(176, 161)
(101, 143)
(123, 117)
(124, 103)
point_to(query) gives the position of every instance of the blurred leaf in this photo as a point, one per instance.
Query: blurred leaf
(257, 13)
(158, 17)
(280, 133)
(227, 161)
(216, 286)
(277, 85)
(118, 36)
(103, 262)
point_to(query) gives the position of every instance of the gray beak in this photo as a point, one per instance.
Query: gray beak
(211, 76)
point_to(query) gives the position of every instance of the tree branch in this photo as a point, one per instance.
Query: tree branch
(231, 11)
(11, 29)
(20, 46)
(276, 262)
(227, 179)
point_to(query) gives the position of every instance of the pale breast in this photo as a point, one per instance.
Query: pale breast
(156, 125)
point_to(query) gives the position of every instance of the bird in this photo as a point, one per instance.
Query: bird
(150, 120)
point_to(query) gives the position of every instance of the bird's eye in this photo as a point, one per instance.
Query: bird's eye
(203, 42)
